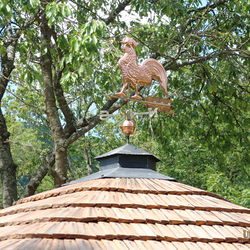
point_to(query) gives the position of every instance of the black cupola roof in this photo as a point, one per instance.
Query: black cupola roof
(127, 161)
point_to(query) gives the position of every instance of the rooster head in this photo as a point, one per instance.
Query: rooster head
(128, 43)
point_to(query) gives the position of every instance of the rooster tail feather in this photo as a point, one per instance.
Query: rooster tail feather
(156, 70)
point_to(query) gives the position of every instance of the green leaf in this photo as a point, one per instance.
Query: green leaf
(88, 70)
(76, 45)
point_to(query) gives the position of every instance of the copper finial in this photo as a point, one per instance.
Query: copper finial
(128, 127)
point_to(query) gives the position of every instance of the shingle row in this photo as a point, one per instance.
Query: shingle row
(78, 244)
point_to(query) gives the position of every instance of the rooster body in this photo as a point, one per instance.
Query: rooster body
(133, 73)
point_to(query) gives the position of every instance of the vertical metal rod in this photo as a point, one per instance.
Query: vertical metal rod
(128, 97)
(127, 139)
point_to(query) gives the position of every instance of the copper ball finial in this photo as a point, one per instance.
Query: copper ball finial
(128, 127)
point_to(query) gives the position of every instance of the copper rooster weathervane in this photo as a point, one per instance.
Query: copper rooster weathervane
(133, 73)
(143, 74)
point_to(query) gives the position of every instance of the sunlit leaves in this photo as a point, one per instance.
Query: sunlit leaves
(5, 9)
(83, 44)
(57, 12)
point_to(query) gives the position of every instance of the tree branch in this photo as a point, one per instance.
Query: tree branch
(119, 8)
(212, 6)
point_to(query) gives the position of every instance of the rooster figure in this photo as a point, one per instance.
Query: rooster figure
(143, 74)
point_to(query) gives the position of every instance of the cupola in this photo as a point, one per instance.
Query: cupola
(127, 161)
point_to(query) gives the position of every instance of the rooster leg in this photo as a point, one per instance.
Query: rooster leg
(137, 94)
(123, 90)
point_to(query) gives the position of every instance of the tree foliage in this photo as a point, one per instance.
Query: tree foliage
(58, 58)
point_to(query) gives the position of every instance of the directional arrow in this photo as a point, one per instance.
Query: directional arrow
(104, 114)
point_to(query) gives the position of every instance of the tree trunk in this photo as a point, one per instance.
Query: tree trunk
(61, 163)
(7, 166)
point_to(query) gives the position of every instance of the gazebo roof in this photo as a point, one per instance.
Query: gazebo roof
(124, 213)
(130, 206)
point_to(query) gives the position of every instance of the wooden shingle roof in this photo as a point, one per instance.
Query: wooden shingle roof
(125, 213)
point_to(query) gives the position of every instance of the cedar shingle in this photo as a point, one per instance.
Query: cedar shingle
(143, 230)
(87, 214)
(167, 187)
(97, 245)
(124, 200)
(113, 199)
(156, 231)
(144, 188)
(123, 185)
(110, 245)
(182, 202)
(237, 233)
(227, 234)
(156, 245)
(83, 244)
(181, 234)
(97, 230)
(199, 220)
(45, 244)
(192, 199)
(114, 183)
(99, 213)
(228, 246)
(241, 246)
(210, 218)
(240, 219)
(161, 188)
(192, 245)
(216, 246)
(180, 245)
(215, 234)
(131, 245)
(160, 215)
(143, 245)
(137, 188)
(119, 230)
(169, 201)
(29, 244)
(185, 216)
(204, 246)
(166, 231)
(178, 187)
(120, 245)
(168, 245)
(148, 186)
(193, 236)
(85, 231)
(225, 206)
(136, 215)
(134, 200)
(47, 229)
(70, 244)
(148, 201)
(122, 214)
(110, 214)
(157, 200)
(149, 215)
(240, 231)
(108, 230)
(224, 216)
(172, 216)
(130, 231)
(201, 233)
